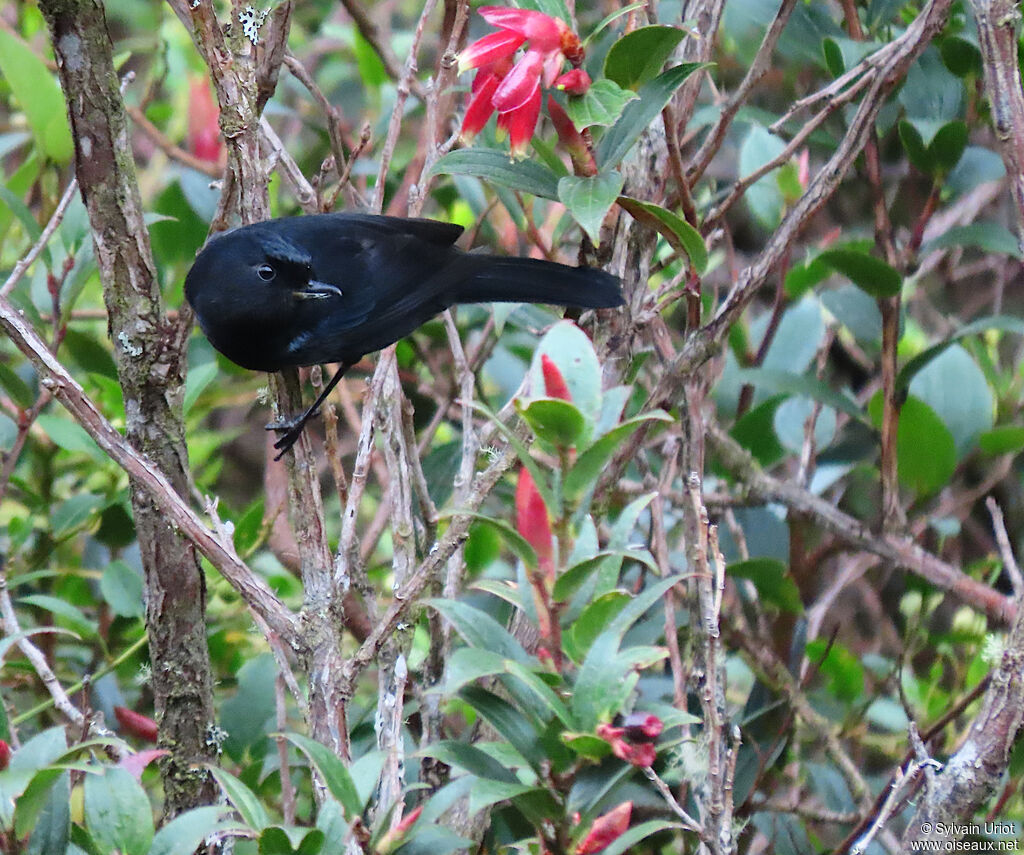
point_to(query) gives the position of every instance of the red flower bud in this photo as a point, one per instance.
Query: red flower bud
(606, 828)
(5, 755)
(575, 82)
(136, 724)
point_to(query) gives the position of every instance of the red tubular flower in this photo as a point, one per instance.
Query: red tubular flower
(532, 521)
(516, 92)
(606, 828)
(521, 123)
(554, 382)
(5, 755)
(637, 754)
(136, 724)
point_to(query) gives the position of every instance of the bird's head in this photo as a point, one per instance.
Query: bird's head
(247, 285)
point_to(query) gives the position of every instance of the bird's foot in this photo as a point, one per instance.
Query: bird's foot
(290, 430)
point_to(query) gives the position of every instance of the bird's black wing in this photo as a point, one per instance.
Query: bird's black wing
(394, 274)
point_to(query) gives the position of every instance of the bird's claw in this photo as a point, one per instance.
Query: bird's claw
(290, 430)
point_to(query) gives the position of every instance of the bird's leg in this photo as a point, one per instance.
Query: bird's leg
(291, 428)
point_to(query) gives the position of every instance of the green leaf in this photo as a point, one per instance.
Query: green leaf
(763, 197)
(958, 391)
(782, 382)
(243, 799)
(248, 716)
(117, 812)
(52, 826)
(868, 273)
(70, 436)
(772, 582)
(89, 353)
(925, 450)
(638, 56)
(543, 691)
(591, 463)
(122, 590)
(947, 147)
(626, 841)
(844, 670)
(587, 745)
(480, 630)
(573, 578)
(592, 621)
(498, 168)
(199, 377)
(508, 721)
(183, 834)
(39, 96)
(332, 770)
(556, 422)
(915, 147)
(988, 237)
(74, 512)
(61, 608)
(601, 104)
(512, 538)
(1005, 439)
(488, 792)
(681, 236)
(960, 56)
(604, 673)
(590, 198)
(17, 388)
(621, 136)
(372, 72)
(1006, 323)
(470, 758)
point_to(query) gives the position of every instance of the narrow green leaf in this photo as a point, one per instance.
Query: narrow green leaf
(591, 462)
(638, 56)
(569, 582)
(914, 145)
(16, 387)
(682, 237)
(470, 758)
(332, 770)
(543, 691)
(183, 834)
(508, 721)
(244, 799)
(1002, 440)
(488, 792)
(590, 198)
(783, 382)
(38, 95)
(621, 136)
(512, 538)
(498, 168)
(868, 273)
(988, 237)
(637, 833)
(480, 630)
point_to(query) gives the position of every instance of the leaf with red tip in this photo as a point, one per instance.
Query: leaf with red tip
(554, 382)
(532, 520)
(135, 763)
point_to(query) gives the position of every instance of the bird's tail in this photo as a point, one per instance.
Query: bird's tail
(531, 280)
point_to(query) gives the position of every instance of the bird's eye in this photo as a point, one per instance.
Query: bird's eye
(266, 272)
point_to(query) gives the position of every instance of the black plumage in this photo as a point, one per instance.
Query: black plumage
(334, 287)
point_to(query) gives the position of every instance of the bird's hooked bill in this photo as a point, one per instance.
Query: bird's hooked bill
(316, 290)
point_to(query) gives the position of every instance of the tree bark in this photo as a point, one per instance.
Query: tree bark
(149, 352)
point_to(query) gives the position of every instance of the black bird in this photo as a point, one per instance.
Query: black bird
(334, 287)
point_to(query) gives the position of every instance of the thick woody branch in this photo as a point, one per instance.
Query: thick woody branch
(256, 593)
